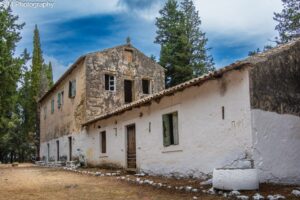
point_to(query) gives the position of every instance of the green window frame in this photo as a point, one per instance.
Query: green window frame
(58, 100)
(170, 129)
(52, 106)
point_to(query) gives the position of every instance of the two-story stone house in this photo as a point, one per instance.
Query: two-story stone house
(95, 84)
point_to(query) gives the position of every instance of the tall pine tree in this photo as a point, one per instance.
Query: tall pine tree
(200, 61)
(183, 52)
(174, 54)
(288, 20)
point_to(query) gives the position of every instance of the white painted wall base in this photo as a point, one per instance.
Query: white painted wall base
(235, 179)
(276, 146)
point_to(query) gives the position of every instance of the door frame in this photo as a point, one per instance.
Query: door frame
(126, 144)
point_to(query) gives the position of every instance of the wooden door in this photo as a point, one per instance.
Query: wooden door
(131, 147)
(70, 148)
(128, 91)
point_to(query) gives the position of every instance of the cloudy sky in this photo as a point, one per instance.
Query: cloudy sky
(70, 28)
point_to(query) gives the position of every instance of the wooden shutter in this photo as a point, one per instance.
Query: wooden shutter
(175, 128)
(106, 82)
(70, 88)
(52, 106)
(58, 100)
(166, 130)
(73, 88)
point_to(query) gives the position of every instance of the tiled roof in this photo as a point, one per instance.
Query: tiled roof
(250, 61)
(169, 91)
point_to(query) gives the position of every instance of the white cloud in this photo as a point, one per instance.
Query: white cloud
(236, 17)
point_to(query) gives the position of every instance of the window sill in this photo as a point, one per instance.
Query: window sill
(171, 149)
(103, 156)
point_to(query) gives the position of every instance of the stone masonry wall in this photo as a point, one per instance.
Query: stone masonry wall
(124, 65)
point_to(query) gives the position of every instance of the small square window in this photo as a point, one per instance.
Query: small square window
(110, 82)
(146, 86)
(170, 129)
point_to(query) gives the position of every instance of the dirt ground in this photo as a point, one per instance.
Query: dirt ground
(28, 182)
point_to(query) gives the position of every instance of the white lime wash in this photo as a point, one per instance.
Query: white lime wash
(215, 121)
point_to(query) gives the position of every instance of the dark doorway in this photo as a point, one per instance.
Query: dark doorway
(70, 148)
(57, 148)
(128, 91)
(103, 142)
(131, 147)
(48, 151)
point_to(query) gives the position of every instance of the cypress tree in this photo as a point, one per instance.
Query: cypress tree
(50, 75)
(38, 85)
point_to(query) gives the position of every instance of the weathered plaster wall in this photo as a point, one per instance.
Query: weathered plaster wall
(276, 140)
(115, 62)
(69, 117)
(275, 104)
(206, 141)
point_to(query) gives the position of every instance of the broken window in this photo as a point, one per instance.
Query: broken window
(103, 142)
(170, 129)
(72, 88)
(146, 86)
(52, 106)
(109, 82)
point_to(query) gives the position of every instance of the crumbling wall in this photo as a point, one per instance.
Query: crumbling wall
(275, 104)
(125, 63)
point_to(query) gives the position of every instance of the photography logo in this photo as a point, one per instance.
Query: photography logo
(27, 3)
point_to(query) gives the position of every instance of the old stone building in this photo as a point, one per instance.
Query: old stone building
(96, 84)
(243, 116)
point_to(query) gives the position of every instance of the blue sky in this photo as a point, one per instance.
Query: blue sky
(72, 28)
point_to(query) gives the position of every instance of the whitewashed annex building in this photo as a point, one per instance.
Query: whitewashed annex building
(111, 107)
